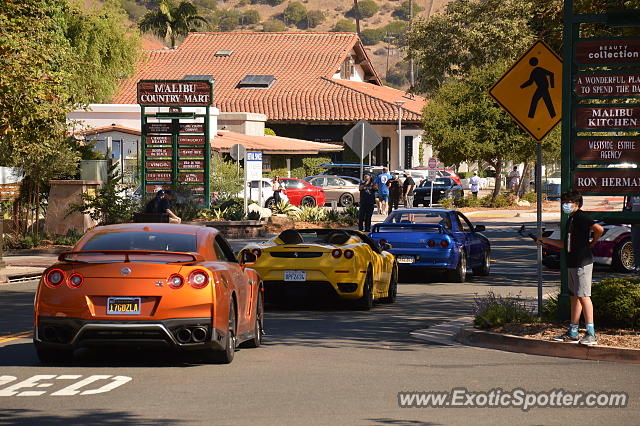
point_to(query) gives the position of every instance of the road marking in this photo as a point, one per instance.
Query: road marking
(14, 336)
(48, 380)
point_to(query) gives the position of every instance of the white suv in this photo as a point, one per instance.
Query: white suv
(267, 192)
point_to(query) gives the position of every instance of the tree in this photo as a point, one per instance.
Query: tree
(403, 11)
(344, 26)
(367, 9)
(105, 48)
(273, 25)
(295, 12)
(228, 19)
(464, 124)
(372, 36)
(315, 18)
(171, 21)
(250, 17)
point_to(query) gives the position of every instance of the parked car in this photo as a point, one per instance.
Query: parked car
(350, 169)
(435, 240)
(423, 173)
(267, 192)
(302, 193)
(613, 249)
(337, 263)
(149, 285)
(345, 192)
(444, 187)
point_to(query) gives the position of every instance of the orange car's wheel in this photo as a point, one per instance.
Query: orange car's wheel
(225, 356)
(256, 341)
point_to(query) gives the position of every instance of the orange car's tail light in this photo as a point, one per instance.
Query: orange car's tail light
(256, 252)
(175, 281)
(336, 253)
(54, 278)
(198, 279)
(348, 253)
(75, 280)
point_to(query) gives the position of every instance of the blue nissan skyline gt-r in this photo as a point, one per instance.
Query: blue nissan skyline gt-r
(435, 239)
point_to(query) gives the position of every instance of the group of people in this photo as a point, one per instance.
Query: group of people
(385, 192)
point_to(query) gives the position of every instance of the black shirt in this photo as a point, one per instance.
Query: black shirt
(408, 181)
(578, 230)
(395, 190)
(368, 195)
(157, 205)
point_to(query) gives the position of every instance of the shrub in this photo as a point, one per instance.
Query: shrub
(224, 177)
(284, 207)
(250, 17)
(350, 215)
(311, 214)
(531, 197)
(403, 11)
(504, 199)
(397, 28)
(469, 201)
(273, 25)
(69, 239)
(27, 241)
(312, 165)
(344, 26)
(214, 213)
(315, 18)
(228, 19)
(367, 9)
(273, 2)
(493, 311)
(333, 216)
(295, 12)
(268, 131)
(207, 4)
(446, 203)
(372, 36)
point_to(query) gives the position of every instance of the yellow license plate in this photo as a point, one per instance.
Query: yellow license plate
(123, 306)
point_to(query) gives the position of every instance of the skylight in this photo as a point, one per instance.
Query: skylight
(198, 77)
(222, 52)
(257, 81)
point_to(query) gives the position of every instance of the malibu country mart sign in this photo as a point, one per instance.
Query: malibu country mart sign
(163, 93)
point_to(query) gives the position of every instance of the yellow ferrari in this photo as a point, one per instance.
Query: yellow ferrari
(312, 263)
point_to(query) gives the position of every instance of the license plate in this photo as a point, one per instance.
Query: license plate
(123, 306)
(295, 275)
(406, 259)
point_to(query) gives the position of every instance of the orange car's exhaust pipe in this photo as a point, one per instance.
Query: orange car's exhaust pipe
(183, 335)
(199, 334)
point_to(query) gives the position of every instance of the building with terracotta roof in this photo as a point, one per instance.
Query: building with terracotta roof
(312, 86)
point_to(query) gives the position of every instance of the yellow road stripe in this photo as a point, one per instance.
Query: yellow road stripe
(15, 336)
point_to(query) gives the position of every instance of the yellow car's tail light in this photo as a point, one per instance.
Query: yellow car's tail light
(336, 253)
(348, 254)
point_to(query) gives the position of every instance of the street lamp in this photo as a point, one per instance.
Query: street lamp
(400, 147)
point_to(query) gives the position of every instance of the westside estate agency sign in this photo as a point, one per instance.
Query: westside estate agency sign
(178, 93)
(608, 149)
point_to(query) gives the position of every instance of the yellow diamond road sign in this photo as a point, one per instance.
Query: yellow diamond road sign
(531, 91)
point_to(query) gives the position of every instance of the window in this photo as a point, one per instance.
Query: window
(256, 81)
(347, 69)
(292, 184)
(152, 241)
(333, 182)
(317, 182)
(223, 250)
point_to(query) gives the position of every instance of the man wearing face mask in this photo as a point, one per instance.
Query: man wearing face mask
(579, 265)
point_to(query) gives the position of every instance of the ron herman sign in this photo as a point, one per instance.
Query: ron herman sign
(178, 93)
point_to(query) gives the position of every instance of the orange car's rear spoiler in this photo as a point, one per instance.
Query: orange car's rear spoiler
(195, 257)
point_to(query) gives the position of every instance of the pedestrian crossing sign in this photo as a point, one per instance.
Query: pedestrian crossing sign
(531, 90)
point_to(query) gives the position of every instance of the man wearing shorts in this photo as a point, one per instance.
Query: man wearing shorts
(383, 190)
(579, 266)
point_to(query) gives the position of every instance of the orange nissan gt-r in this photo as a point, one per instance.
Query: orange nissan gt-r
(177, 286)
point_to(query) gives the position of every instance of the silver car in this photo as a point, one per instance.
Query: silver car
(337, 188)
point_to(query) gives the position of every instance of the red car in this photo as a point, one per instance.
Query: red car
(302, 193)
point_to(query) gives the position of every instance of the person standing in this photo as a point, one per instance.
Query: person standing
(514, 179)
(395, 192)
(277, 190)
(383, 190)
(407, 190)
(632, 203)
(474, 184)
(367, 203)
(579, 265)
(160, 205)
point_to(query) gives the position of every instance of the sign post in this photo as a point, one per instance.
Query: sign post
(176, 150)
(433, 163)
(362, 138)
(535, 77)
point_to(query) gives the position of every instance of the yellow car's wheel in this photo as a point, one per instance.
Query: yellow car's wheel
(366, 301)
(393, 286)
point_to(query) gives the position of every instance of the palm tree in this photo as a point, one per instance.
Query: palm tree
(171, 20)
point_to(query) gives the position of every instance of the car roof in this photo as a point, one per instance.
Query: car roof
(423, 211)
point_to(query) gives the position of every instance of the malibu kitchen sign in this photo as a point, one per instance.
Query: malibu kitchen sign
(183, 93)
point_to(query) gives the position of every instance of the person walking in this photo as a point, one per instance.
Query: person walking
(367, 203)
(579, 265)
(395, 192)
(160, 204)
(632, 203)
(514, 178)
(474, 184)
(383, 190)
(407, 190)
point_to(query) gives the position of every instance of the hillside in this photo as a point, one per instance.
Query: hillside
(382, 24)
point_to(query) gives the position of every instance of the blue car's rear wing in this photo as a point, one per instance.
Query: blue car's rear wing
(408, 227)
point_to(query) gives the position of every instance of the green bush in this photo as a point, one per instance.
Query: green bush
(315, 18)
(446, 203)
(344, 26)
(228, 19)
(403, 11)
(350, 215)
(269, 132)
(311, 214)
(284, 207)
(396, 28)
(295, 12)
(312, 165)
(372, 36)
(250, 17)
(504, 199)
(333, 216)
(224, 177)
(367, 9)
(69, 239)
(469, 201)
(531, 197)
(273, 25)
(493, 311)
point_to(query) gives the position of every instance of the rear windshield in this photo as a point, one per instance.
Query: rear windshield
(439, 218)
(155, 241)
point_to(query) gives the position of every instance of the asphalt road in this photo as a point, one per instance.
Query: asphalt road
(324, 366)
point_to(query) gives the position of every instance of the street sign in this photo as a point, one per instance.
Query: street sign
(608, 51)
(362, 138)
(237, 152)
(433, 163)
(611, 181)
(607, 83)
(607, 117)
(607, 149)
(531, 90)
(253, 165)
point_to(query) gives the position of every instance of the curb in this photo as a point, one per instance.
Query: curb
(30, 252)
(507, 342)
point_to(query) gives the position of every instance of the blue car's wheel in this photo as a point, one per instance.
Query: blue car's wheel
(484, 269)
(459, 275)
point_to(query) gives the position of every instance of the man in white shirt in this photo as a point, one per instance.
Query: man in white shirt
(514, 178)
(474, 184)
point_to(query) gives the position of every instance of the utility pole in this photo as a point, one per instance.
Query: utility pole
(411, 75)
(357, 13)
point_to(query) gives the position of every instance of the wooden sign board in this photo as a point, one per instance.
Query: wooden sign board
(607, 117)
(614, 181)
(191, 152)
(191, 177)
(158, 140)
(596, 85)
(153, 188)
(191, 139)
(196, 189)
(191, 128)
(191, 164)
(159, 152)
(610, 150)
(608, 51)
(158, 128)
(159, 164)
(159, 176)
(177, 93)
